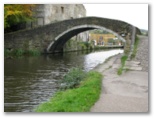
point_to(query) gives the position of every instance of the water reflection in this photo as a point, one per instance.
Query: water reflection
(29, 81)
(93, 59)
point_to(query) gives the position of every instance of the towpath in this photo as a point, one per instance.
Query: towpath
(129, 91)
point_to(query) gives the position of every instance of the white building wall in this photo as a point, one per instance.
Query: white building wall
(59, 12)
(50, 13)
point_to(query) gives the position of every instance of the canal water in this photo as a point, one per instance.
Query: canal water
(29, 81)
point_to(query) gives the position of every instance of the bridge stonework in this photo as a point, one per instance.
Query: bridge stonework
(51, 38)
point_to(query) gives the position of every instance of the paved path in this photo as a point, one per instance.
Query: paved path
(125, 93)
(143, 52)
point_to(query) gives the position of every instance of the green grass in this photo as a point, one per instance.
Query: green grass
(123, 60)
(21, 52)
(119, 71)
(79, 99)
(135, 47)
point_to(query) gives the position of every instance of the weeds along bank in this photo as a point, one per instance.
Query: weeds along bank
(20, 52)
(79, 92)
(125, 57)
(69, 46)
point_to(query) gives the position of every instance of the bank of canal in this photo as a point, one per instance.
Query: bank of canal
(29, 81)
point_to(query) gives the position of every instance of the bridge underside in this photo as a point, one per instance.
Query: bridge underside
(59, 43)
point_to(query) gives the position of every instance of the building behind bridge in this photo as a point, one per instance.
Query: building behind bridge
(50, 13)
(104, 39)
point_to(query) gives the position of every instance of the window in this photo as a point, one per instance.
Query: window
(62, 9)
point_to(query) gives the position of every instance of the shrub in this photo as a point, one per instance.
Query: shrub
(72, 78)
(86, 44)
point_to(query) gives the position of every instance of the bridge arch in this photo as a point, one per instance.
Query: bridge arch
(57, 44)
(51, 38)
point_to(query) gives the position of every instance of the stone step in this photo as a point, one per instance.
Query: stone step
(116, 66)
(133, 62)
(138, 68)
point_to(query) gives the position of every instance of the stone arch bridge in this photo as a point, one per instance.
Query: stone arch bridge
(51, 38)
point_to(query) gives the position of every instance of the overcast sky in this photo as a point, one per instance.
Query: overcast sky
(135, 14)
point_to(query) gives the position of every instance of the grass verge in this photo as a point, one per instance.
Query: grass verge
(78, 99)
(123, 60)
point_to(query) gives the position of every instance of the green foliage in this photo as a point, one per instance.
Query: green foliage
(69, 43)
(83, 47)
(119, 72)
(15, 52)
(86, 45)
(33, 52)
(123, 60)
(144, 32)
(72, 78)
(110, 40)
(135, 47)
(79, 99)
(17, 13)
(6, 52)
(21, 52)
(98, 31)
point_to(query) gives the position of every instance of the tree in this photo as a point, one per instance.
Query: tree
(17, 13)
(110, 40)
(99, 31)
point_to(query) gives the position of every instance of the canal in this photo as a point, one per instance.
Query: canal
(29, 81)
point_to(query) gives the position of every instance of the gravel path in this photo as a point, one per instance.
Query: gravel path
(143, 52)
